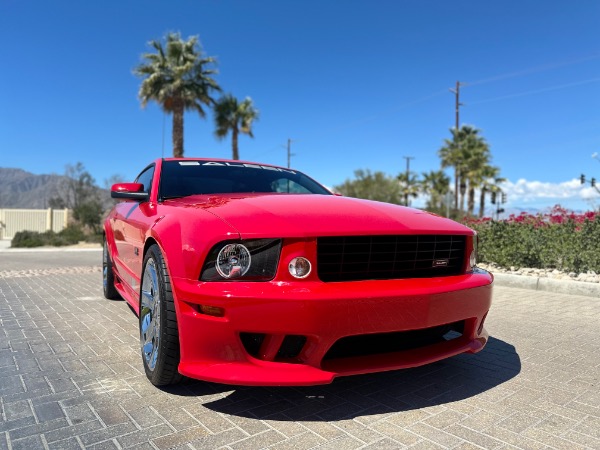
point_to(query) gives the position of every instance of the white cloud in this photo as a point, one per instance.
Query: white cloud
(524, 191)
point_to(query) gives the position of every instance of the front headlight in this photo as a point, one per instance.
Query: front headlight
(251, 260)
(473, 255)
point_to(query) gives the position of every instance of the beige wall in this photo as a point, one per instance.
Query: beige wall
(14, 220)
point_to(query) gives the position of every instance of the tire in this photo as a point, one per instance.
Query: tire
(108, 276)
(159, 336)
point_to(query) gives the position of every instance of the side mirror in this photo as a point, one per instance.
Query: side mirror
(129, 191)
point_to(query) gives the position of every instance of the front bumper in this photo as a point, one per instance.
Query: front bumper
(323, 314)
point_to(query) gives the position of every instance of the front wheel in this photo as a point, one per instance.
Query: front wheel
(159, 336)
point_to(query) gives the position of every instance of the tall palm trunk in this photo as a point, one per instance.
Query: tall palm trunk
(482, 202)
(234, 144)
(462, 187)
(178, 130)
(471, 200)
(455, 187)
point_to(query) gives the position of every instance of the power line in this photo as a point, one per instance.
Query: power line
(537, 91)
(531, 70)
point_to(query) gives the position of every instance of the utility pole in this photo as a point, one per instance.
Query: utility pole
(289, 152)
(457, 105)
(407, 158)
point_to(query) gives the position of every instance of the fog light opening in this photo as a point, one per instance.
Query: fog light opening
(300, 267)
(214, 311)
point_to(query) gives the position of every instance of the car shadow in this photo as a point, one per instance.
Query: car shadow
(447, 381)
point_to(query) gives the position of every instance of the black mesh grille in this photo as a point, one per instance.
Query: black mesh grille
(354, 258)
(374, 344)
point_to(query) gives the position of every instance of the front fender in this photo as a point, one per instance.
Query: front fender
(185, 240)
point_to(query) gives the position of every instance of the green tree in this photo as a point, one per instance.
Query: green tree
(372, 186)
(235, 117)
(491, 179)
(450, 156)
(79, 192)
(178, 77)
(469, 154)
(410, 186)
(435, 184)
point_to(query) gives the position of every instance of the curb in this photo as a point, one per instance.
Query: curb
(547, 284)
(48, 250)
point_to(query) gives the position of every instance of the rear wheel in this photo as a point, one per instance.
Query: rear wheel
(159, 336)
(108, 276)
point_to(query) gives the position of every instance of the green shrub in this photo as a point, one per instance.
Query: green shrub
(27, 239)
(69, 236)
(558, 240)
(72, 234)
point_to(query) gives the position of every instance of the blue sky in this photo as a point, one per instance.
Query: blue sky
(354, 84)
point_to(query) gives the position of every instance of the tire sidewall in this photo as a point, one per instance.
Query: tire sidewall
(156, 375)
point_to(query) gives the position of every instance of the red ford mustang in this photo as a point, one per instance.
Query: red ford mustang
(251, 274)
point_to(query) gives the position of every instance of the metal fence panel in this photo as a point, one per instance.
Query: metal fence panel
(40, 220)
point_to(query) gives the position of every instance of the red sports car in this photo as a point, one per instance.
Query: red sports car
(251, 274)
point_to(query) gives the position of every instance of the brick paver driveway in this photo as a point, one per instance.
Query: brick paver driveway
(71, 377)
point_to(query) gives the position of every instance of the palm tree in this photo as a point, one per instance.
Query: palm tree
(467, 152)
(234, 116)
(410, 186)
(450, 155)
(178, 77)
(477, 162)
(436, 184)
(491, 179)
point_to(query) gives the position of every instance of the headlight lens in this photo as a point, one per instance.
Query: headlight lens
(233, 261)
(251, 260)
(473, 255)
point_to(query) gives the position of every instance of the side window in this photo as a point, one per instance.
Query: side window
(146, 178)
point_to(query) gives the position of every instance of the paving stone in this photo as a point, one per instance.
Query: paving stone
(48, 411)
(66, 444)
(396, 433)
(64, 433)
(383, 444)
(179, 438)
(300, 441)
(143, 436)
(72, 378)
(28, 443)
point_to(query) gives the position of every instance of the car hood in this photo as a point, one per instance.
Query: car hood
(289, 215)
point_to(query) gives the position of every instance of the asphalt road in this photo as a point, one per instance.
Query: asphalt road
(71, 377)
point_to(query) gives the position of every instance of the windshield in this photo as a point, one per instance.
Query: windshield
(183, 178)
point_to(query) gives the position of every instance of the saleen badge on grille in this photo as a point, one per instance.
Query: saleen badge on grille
(440, 263)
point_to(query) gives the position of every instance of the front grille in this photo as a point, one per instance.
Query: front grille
(355, 258)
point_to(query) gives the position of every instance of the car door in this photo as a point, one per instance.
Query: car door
(132, 220)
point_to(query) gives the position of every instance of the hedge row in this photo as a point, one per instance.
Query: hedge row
(558, 240)
(71, 235)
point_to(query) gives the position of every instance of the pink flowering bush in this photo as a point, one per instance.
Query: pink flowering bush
(559, 239)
